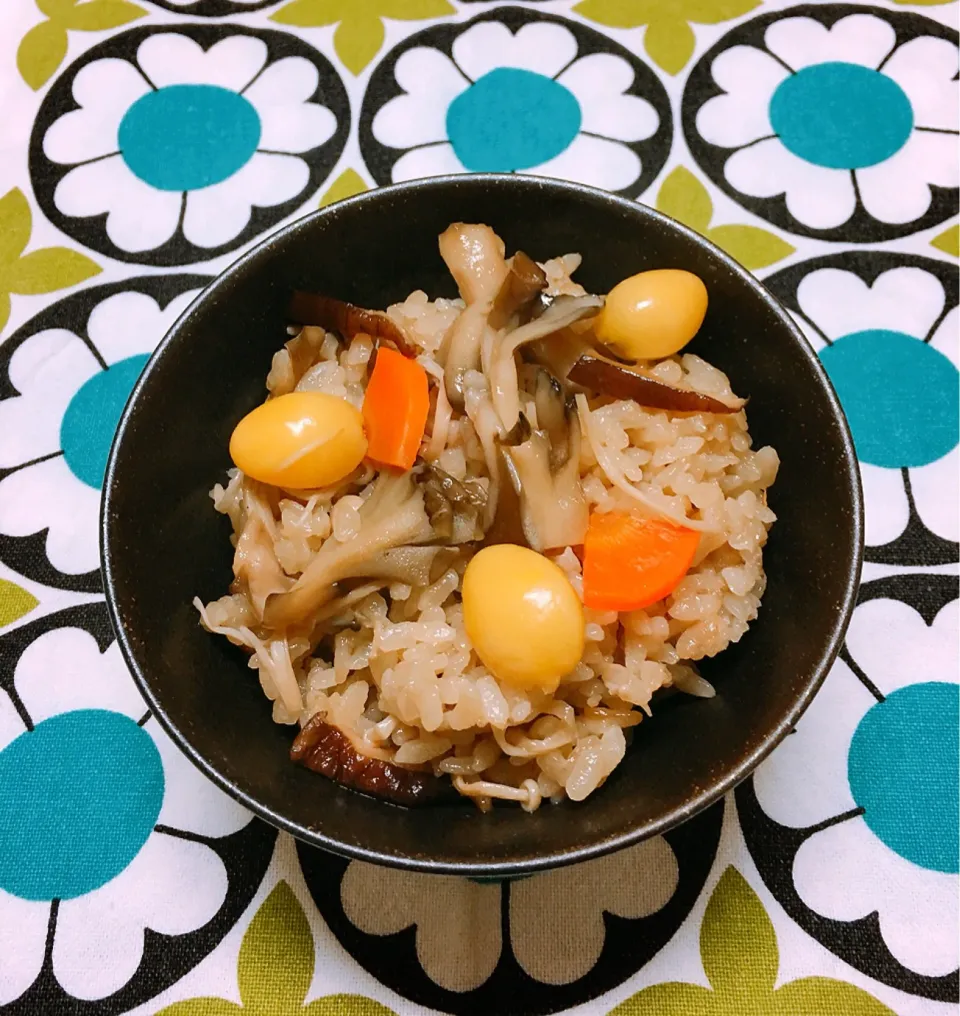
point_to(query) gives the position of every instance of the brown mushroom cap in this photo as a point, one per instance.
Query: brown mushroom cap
(525, 281)
(326, 749)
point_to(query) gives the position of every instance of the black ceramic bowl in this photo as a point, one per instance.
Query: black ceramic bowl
(163, 544)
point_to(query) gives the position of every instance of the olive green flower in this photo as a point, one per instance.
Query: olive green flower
(669, 39)
(360, 31)
(738, 947)
(684, 197)
(39, 271)
(43, 48)
(15, 602)
(275, 968)
(346, 185)
(948, 241)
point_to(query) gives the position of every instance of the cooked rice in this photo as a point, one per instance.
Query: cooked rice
(394, 666)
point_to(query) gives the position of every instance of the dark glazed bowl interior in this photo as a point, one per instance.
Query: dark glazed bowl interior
(163, 544)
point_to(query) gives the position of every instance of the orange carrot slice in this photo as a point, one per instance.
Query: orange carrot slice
(395, 409)
(629, 562)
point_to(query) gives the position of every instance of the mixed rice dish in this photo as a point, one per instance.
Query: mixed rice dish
(474, 537)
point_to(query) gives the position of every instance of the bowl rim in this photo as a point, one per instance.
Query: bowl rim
(696, 802)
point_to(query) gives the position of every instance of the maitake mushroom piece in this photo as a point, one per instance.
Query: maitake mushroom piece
(392, 516)
(455, 507)
(544, 469)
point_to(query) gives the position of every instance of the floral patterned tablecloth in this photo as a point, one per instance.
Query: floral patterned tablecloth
(144, 145)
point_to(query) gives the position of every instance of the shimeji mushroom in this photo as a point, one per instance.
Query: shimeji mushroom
(475, 256)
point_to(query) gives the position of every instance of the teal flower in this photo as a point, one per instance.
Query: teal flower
(836, 117)
(523, 101)
(57, 427)
(871, 776)
(890, 349)
(741, 958)
(187, 139)
(275, 968)
(106, 825)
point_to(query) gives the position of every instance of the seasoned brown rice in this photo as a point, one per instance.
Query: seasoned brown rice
(390, 662)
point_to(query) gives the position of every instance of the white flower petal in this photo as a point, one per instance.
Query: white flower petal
(290, 81)
(926, 68)
(457, 921)
(903, 929)
(105, 90)
(598, 81)
(818, 197)
(749, 77)
(288, 123)
(52, 359)
(540, 47)
(898, 189)
(47, 369)
(139, 217)
(805, 780)
(429, 160)
(126, 324)
(885, 505)
(907, 300)
(168, 867)
(173, 59)
(423, 71)
(216, 214)
(936, 494)
(63, 670)
(172, 886)
(633, 883)
(860, 38)
(593, 161)
(23, 938)
(48, 496)
(431, 82)
(846, 873)
(894, 647)
(946, 339)
(296, 128)
(107, 84)
(96, 949)
(190, 801)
